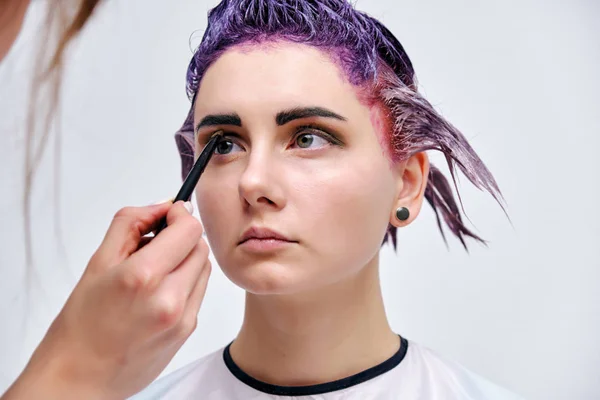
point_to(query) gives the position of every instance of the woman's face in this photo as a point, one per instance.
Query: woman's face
(301, 159)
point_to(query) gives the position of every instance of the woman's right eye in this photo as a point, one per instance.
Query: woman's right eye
(226, 146)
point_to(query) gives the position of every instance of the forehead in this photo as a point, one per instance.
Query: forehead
(274, 75)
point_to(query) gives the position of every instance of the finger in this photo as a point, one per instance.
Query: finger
(185, 324)
(197, 294)
(173, 245)
(167, 220)
(183, 279)
(127, 228)
(168, 301)
(144, 241)
(190, 315)
(182, 211)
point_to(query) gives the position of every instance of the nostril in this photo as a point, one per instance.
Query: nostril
(265, 200)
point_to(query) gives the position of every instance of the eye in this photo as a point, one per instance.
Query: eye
(310, 140)
(226, 146)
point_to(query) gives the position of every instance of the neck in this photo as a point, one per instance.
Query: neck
(12, 15)
(318, 337)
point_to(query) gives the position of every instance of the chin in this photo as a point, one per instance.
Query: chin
(269, 278)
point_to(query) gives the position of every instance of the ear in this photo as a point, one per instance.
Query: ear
(412, 180)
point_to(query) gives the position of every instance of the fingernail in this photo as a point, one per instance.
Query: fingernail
(189, 207)
(169, 200)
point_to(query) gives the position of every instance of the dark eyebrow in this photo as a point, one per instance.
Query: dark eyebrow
(282, 118)
(220, 119)
(286, 116)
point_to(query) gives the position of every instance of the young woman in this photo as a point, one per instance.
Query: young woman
(324, 158)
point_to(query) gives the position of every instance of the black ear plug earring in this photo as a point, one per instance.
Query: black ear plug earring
(402, 213)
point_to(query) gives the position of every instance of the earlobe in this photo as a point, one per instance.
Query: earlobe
(412, 181)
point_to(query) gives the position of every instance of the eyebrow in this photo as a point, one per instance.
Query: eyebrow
(287, 116)
(282, 117)
(220, 119)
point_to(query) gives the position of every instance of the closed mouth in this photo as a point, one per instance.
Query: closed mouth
(266, 234)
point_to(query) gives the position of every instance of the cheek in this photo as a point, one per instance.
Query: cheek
(346, 207)
(215, 199)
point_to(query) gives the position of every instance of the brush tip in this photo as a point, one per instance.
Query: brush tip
(217, 133)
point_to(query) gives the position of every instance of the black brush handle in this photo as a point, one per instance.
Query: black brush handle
(187, 189)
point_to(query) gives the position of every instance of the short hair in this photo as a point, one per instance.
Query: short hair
(374, 61)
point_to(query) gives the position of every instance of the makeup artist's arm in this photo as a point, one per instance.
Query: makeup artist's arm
(132, 309)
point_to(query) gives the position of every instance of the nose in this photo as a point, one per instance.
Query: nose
(259, 185)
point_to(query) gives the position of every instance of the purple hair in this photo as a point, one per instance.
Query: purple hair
(374, 61)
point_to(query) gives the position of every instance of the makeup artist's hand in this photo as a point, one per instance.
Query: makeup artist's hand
(133, 308)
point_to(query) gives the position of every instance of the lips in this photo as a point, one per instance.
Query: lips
(263, 234)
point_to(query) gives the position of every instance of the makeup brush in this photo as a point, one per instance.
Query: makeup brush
(185, 193)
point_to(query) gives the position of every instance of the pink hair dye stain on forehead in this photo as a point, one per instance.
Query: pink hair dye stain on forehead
(381, 121)
(382, 124)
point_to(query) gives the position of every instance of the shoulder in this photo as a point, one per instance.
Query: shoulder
(183, 382)
(448, 379)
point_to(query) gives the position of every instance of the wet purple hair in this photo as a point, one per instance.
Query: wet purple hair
(374, 61)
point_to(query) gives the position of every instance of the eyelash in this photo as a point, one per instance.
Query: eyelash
(317, 131)
(312, 129)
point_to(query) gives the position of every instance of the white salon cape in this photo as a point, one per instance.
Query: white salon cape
(413, 373)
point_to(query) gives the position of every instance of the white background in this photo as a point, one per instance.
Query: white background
(519, 78)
